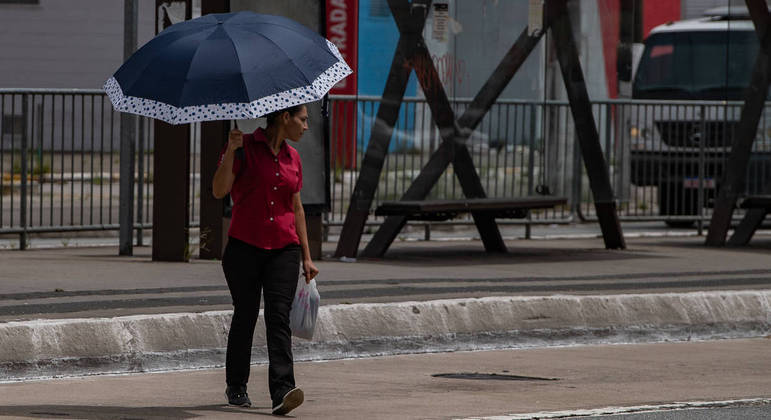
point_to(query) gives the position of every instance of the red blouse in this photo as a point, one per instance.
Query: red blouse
(263, 215)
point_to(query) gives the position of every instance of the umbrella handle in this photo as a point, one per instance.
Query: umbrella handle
(325, 106)
(240, 151)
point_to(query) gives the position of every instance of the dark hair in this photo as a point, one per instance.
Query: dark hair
(273, 116)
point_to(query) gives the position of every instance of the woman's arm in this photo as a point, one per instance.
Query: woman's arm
(309, 269)
(224, 177)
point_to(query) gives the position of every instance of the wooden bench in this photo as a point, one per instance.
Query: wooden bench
(437, 210)
(484, 210)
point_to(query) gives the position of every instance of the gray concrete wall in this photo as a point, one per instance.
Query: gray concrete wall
(484, 34)
(65, 44)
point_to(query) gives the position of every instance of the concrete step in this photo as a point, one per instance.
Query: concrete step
(139, 343)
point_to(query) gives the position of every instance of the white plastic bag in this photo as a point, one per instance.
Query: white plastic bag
(305, 308)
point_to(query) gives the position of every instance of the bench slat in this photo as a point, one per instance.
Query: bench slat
(446, 209)
(756, 201)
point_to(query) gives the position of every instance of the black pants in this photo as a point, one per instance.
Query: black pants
(247, 270)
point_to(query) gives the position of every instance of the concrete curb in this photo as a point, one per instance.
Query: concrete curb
(45, 348)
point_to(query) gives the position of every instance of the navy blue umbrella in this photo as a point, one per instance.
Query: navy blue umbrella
(226, 66)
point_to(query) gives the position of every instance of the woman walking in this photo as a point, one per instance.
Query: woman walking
(267, 240)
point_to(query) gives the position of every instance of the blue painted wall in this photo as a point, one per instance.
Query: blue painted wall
(378, 36)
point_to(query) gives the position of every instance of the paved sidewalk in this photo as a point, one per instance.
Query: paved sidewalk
(96, 282)
(404, 387)
(635, 294)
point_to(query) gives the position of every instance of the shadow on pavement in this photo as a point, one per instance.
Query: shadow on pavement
(125, 413)
(463, 255)
(759, 243)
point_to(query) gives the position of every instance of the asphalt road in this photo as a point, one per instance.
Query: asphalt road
(760, 412)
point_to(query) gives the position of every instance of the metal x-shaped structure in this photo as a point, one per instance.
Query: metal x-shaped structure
(412, 53)
(734, 178)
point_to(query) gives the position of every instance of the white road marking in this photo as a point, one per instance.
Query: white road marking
(608, 411)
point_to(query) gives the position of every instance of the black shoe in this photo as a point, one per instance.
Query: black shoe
(237, 396)
(291, 400)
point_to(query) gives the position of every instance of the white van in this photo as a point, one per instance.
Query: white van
(690, 84)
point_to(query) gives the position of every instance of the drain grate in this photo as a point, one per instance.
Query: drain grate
(490, 376)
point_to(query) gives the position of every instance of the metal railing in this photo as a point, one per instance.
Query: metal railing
(59, 163)
(507, 149)
(668, 158)
(59, 158)
(665, 158)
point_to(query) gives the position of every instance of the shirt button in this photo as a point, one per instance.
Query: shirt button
(271, 203)
(275, 188)
(276, 173)
(275, 160)
(271, 219)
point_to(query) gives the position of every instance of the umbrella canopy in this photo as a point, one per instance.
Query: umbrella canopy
(226, 66)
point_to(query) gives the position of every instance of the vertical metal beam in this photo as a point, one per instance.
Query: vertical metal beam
(141, 181)
(214, 6)
(410, 27)
(26, 117)
(374, 158)
(214, 135)
(741, 148)
(586, 129)
(171, 192)
(630, 32)
(127, 140)
(171, 187)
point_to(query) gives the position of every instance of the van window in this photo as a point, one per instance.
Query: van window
(696, 65)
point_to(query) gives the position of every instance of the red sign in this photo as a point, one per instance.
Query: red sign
(342, 17)
(343, 31)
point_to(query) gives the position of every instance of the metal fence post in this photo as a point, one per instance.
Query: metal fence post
(531, 168)
(610, 157)
(24, 170)
(127, 140)
(141, 179)
(577, 178)
(700, 197)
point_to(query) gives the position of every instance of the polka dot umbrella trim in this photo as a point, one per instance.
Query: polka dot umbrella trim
(226, 66)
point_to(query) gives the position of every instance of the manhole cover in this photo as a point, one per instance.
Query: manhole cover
(490, 376)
